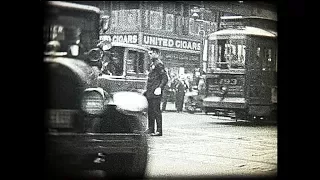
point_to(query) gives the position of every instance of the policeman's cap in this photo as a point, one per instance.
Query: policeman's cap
(155, 50)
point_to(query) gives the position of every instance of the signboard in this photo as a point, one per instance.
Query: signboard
(234, 84)
(123, 38)
(171, 43)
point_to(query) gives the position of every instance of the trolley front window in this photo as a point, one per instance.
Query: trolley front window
(231, 54)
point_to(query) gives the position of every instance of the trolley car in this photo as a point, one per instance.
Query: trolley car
(243, 73)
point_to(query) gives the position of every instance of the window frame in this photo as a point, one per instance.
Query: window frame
(224, 48)
(136, 66)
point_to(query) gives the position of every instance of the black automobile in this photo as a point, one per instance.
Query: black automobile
(86, 128)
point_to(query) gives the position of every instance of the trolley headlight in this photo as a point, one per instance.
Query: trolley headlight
(93, 101)
(223, 88)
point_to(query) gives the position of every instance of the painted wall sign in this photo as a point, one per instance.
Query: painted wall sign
(124, 38)
(171, 42)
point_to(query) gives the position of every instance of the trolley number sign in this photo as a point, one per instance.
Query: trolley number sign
(234, 83)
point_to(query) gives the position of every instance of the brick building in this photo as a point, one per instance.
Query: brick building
(167, 25)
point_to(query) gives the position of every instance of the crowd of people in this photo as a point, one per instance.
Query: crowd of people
(176, 89)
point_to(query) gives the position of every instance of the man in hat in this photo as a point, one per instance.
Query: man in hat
(157, 80)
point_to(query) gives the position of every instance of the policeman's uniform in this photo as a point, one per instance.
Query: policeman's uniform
(157, 77)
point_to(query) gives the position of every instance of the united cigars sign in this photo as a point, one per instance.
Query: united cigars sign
(171, 43)
(123, 38)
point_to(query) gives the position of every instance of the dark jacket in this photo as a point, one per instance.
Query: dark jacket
(157, 77)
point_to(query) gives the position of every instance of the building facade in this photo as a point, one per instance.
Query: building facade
(166, 25)
(169, 26)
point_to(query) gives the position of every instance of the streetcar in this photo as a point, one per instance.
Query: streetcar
(242, 76)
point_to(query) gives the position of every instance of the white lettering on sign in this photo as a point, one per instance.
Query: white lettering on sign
(172, 43)
(130, 39)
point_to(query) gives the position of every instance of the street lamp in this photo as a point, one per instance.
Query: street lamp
(202, 33)
(202, 37)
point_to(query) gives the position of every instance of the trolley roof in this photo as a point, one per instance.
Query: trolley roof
(75, 6)
(246, 17)
(250, 31)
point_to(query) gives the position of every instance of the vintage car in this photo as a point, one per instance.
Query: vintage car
(193, 101)
(194, 98)
(125, 67)
(86, 127)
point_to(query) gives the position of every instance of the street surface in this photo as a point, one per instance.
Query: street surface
(199, 145)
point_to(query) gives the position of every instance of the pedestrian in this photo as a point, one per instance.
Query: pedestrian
(157, 80)
(166, 95)
(181, 88)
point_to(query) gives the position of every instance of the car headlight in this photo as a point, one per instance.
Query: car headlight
(95, 54)
(130, 101)
(93, 101)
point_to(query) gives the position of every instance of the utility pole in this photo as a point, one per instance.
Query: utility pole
(198, 15)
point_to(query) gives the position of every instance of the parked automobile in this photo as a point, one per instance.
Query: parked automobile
(86, 127)
(193, 102)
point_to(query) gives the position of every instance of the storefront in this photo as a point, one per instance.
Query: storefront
(180, 56)
(130, 38)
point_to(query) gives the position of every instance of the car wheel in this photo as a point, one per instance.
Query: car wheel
(191, 109)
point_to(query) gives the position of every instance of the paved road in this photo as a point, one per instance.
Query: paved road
(199, 145)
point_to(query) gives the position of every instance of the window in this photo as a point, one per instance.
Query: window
(178, 8)
(131, 4)
(267, 62)
(125, 5)
(135, 62)
(155, 6)
(65, 35)
(156, 20)
(231, 54)
(211, 56)
(258, 52)
(113, 63)
(169, 22)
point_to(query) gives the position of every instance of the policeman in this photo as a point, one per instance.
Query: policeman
(157, 80)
